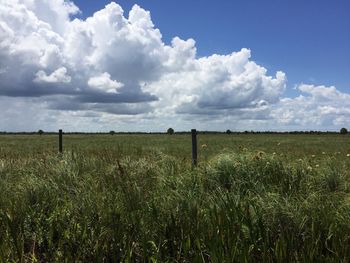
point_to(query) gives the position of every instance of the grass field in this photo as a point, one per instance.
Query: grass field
(136, 198)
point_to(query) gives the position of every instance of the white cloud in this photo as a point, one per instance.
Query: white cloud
(116, 64)
(104, 82)
(58, 76)
(218, 84)
(318, 106)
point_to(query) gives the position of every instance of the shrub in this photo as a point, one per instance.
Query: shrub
(170, 131)
(343, 131)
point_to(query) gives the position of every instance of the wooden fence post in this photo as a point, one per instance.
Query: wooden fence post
(60, 141)
(194, 147)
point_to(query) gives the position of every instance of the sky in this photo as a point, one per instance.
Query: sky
(150, 65)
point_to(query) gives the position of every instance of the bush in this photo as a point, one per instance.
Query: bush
(343, 131)
(40, 132)
(170, 131)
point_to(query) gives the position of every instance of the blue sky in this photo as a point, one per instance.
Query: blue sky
(308, 40)
(211, 65)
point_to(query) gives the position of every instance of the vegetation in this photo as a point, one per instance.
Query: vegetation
(253, 198)
(170, 131)
(343, 131)
(40, 132)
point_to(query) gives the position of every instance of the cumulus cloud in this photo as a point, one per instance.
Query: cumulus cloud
(125, 55)
(104, 82)
(218, 84)
(117, 64)
(317, 106)
(58, 76)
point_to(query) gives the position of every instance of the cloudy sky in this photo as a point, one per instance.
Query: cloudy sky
(149, 65)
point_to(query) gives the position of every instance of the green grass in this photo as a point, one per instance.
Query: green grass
(136, 198)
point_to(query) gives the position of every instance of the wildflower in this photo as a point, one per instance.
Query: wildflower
(313, 156)
(204, 146)
(300, 160)
(279, 143)
(317, 165)
(323, 153)
(309, 168)
(261, 153)
(348, 155)
(273, 153)
(256, 157)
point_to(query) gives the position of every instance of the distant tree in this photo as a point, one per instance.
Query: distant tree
(40, 132)
(228, 131)
(170, 131)
(343, 131)
(112, 132)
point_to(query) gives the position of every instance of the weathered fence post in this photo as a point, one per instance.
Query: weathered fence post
(194, 147)
(60, 141)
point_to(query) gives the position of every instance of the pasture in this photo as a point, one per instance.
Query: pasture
(137, 198)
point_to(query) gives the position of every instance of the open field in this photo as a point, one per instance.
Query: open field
(253, 198)
(292, 147)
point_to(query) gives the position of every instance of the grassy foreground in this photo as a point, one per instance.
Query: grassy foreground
(250, 200)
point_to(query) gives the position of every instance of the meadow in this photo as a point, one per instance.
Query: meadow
(137, 198)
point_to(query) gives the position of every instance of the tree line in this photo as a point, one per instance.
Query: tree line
(171, 131)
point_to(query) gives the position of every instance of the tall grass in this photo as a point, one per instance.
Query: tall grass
(236, 207)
